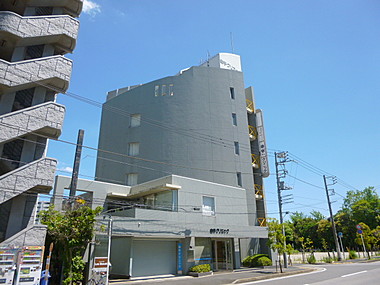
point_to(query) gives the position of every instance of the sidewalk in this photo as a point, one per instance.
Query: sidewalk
(218, 278)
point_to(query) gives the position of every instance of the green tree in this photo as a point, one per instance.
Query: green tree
(325, 235)
(304, 227)
(363, 206)
(71, 231)
(276, 240)
(368, 238)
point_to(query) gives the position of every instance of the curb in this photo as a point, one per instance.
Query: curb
(273, 275)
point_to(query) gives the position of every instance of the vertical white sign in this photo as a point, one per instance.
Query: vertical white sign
(262, 143)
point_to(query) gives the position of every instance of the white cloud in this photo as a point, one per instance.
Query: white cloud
(66, 169)
(90, 7)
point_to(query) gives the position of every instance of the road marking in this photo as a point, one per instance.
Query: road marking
(285, 277)
(353, 273)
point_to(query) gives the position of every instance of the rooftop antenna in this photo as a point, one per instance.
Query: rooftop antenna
(208, 58)
(232, 42)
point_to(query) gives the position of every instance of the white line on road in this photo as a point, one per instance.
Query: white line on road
(353, 273)
(285, 277)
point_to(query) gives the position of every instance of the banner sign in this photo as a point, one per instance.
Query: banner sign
(262, 144)
(179, 257)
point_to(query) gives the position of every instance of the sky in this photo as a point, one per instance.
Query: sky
(314, 65)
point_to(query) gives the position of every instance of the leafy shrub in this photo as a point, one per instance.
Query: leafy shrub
(247, 261)
(262, 261)
(200, 268)
(257, 260)
(327, 259)
(311, 259)
(352, 254)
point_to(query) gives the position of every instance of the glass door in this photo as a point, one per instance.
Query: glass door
(222, 254)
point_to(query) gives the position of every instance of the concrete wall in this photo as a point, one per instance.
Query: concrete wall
(197, 130)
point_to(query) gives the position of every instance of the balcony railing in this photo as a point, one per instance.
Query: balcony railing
(259, 191)
(262, 222)
(250, 106)
(255, 161)
(45, 119)
(37, 175)
(252, 132)
(62, 29)
(53, 71)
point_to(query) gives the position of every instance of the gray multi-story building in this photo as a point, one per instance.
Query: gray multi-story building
(188, 152)
(34, 37)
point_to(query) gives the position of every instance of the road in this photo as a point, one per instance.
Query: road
(332, 274)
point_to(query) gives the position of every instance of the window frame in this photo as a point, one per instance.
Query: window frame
(135, 118)
(232, 93)
(129, 175)
(130, 148)
(234, 119)
(237, 148)
(239, 179)
(205, 211)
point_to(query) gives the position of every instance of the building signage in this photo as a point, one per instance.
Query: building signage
(264, 165)
(101, 262)
(220, 231)
(179, 257)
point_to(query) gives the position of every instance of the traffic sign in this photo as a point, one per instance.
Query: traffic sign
(360, 232)
(359, 227)
(340, 234)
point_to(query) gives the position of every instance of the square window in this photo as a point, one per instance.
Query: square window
(234, 119)
(237, 151)
(232, 92)
(156, 90)
(163, 91)
(132, 179)
(238, 176)
(135, 120)
(134, 148)
(208, 206)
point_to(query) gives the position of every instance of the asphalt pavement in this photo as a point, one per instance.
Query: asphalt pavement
(246, 276)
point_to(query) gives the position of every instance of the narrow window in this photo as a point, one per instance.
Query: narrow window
(135, 120)
(42, 11)
(163, 90)
(237, 151)
(134, 148)
(232, 92)
(32, 52)
(132, 179)
(23, 99)
(171, 91)
(238, 176)
(208, 206)
(234, 119)
(156, 90)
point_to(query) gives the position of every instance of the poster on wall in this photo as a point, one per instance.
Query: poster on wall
(30, 265)
(8, 258)
(100, 270)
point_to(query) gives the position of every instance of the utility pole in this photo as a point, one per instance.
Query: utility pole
(331, 214)
(281, 173)
(78, 153)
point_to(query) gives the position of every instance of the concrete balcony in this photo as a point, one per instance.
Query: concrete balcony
(37, 176)
(45, 119)
(30, 235)
(61, 31)
(52, 72)
(71, 7)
